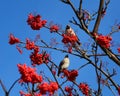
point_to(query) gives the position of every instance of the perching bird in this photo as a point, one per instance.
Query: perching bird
(63, 64)
(69, 31)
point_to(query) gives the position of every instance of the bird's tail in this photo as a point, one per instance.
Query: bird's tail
(78, 43)
(59, 71)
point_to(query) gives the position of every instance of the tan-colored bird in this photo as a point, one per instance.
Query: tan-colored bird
(70, 32)
(64, 64)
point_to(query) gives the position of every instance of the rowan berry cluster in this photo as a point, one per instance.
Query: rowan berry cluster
(13, 39)
(70, 75)
(84, 88)
(35, 22)
(104, 41)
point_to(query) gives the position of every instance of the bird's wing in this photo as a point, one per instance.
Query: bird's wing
(60, 66)
(62, 62)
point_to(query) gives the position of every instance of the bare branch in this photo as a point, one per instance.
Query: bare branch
(90, 55)
(96, 70)
(75, 22)
(102, 72)
(58, 49)
(99, 68)
(13, 85)
(106, 4)
(78, 16)
(80, 6)
(3, 87)
(83, 66)
(96, 26)
(111, 55)
(114, 29)
(64, 1)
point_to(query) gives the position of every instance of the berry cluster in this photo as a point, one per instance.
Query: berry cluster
(13, 39)
(84, 88)
(28, 74)
(48, 88)
(38, 58)
(104, 41)
(71, 75)
(35, 22)
(54, 28)
(29, 94)
(69, 90)
(29, 44)
(118, 50)
(69, 39)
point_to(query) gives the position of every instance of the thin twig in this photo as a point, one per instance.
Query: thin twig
(80, 6)
(63, 82)
(3, 87)
(100, 55)
(13, 85)
(58, 49)
(64, 1)
(83, 66)
(96, 70)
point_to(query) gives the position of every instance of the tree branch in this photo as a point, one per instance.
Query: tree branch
(105, 74)
(111, 55)
(96, 26)
(83, 26)
(56, 80)
(3, 87)
(80, 6)
(13, 85)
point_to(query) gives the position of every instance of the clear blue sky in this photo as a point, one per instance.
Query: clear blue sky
(13, 16)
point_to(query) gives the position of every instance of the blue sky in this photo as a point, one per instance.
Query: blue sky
(13, 20)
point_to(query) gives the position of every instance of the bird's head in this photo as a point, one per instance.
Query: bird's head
(66, 56)
(67, 26)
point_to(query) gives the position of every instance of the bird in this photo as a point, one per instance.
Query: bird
(70, 32)
(64, 64)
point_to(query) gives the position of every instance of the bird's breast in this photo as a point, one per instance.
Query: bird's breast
(66, 63)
